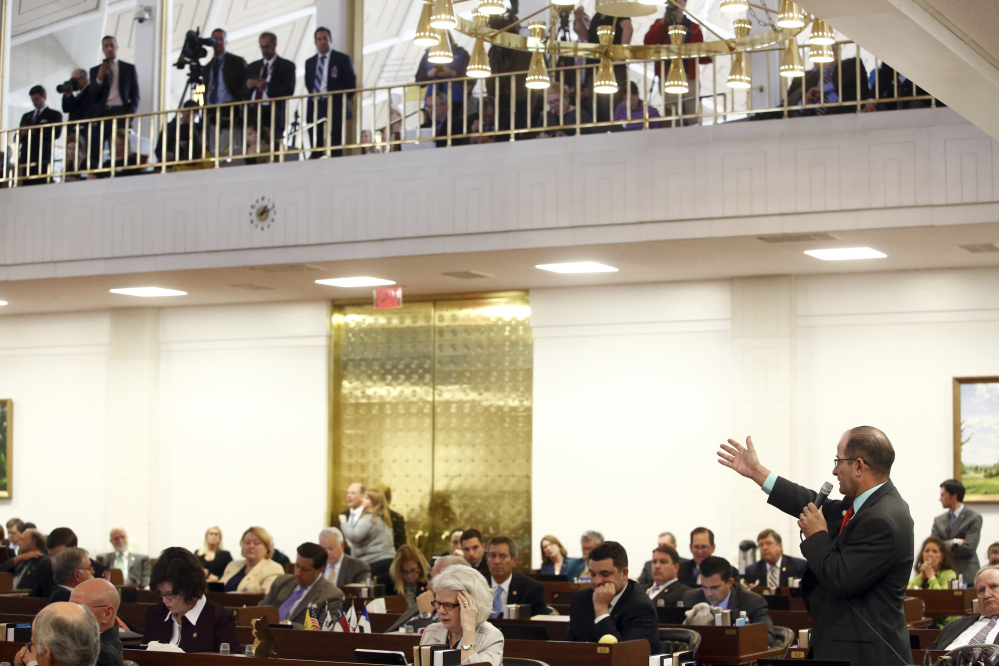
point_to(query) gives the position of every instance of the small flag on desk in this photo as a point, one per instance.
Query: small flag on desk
(364, 623)
(313, 618)
(351, 618)
(337, 621)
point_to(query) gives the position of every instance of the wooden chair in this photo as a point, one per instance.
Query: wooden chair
(246, 614)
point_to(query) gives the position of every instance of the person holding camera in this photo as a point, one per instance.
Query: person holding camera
(115, 87)
(79, 103)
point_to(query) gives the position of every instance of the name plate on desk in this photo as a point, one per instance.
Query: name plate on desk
(730, 645)
(939, 603)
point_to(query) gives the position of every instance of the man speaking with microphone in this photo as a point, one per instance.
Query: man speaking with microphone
(859, 549)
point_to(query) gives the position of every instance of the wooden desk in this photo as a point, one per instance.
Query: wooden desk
(562, 593)
(941, 603)
(925, 636)
(22, 605)
(333, 646)
(733, 645)
(795, 620)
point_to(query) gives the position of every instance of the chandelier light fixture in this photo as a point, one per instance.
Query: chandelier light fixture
(734, 6)
(537, 73)
(790, 15)
(478, 65)
(739, 77)
(676, 82)
(791, 65)
(425, 35)
(626, 8)
(821, 54)
(443, 17)
(441, 54)
(604, 82)
(821, 34)
(492, 6)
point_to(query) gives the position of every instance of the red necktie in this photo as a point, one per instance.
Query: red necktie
(257, 94)
(846, 519)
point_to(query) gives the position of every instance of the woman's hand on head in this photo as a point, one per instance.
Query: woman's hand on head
(469, 613)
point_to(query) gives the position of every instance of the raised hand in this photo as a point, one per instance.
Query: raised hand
(743, 460)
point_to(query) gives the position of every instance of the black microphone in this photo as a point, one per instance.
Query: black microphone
(823, 493)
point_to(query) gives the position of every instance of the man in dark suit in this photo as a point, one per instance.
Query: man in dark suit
(293, 594)
(114, 85)
(225, 82)
(859, 549)
(614, 606)
(960, 528)
(27, 566)
(103, 600)
(58, 540)
(702, 545)
(473, 546)
(666, 538)
(341, 569)
(665, 590)
(775, 569)
(69, 568)
(508, 587)
(718, 589)
(439, 117)
(825, 85)
(326, 72)
(36, 144)
(981, 628)
(271, 76)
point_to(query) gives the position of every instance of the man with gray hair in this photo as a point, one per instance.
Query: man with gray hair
(27, 566)
(101, 597)
(69, 568)
(341, 569)
(63, 634)
(590, 540)
(975, 629)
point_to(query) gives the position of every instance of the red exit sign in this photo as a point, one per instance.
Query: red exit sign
(388, 299)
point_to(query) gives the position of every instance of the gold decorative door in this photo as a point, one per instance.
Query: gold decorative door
(434, 400)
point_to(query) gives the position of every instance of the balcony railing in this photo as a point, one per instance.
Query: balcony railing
(443, 113)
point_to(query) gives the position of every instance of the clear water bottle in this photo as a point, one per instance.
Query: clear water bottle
(224, 648)
(248, 650)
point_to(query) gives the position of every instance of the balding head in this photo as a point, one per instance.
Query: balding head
(101, 597)
(443, 563)
(65, 634)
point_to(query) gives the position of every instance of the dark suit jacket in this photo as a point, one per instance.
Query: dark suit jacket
(685, 573)
(457, 127)
(632, 618)
(646, 579)
(43, 582)
(282, 84)
(352, 570)
(739, 600)
(524, 590)
(790, 567)
(128, 86)
(483, 568)
(32, 571)
(847, 91)
(215, 626)
(111, 653)
(968, 527)
(322, 593)
(233, 75)
(41, 139)
(670, 596)
(953, 630)
(861, 573)
(339, 76)
(81, 106)
(59, 593)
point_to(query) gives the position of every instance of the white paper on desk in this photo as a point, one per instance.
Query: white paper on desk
(156, 646)
(376, 605)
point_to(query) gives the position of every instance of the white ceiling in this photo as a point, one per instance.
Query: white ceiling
(704, 259)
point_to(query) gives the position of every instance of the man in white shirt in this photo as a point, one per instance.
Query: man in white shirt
(975, 629)
(666, 589)
(293, 593)
(341, 569)
(135, 567)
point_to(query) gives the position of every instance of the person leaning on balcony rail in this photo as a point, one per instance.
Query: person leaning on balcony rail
(561, 112)
(428, 71)
(271, 76)
(178, 131)
(115, 87)
(328, 71)
(824, 86)
(36, 144)
(633, 108)
(486, 122)
(124, 160)
(75, 158)
(444, 122)
(225, 80)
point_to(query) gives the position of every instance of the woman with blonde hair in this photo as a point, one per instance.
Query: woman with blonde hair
(256, 571)
(213, 557)
(370, 536)
(555, 560)
(409, 573)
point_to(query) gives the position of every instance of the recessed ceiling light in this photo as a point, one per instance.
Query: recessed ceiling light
(148, 292)
(578, 267)
(845, 253)
(356, 282)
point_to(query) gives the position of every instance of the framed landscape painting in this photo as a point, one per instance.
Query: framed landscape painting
(976, 437)
(6, 445)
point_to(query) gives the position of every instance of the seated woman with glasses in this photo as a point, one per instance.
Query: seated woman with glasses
(185, 617)
(409, 573)
(463, 602)
(256, 571)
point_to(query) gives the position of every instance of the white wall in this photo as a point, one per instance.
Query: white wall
(633, 394)
(235, 432)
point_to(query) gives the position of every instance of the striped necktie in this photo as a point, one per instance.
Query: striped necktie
(318, 83)
(983, 633)
(773, 577)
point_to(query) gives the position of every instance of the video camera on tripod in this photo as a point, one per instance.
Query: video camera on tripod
(192, 52)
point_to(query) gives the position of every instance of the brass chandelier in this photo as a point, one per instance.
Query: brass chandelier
(438, 16)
